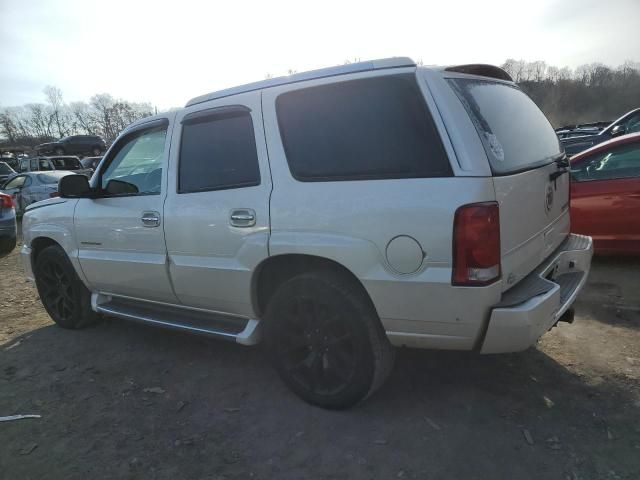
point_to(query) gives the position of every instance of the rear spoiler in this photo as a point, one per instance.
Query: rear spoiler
(481, 70)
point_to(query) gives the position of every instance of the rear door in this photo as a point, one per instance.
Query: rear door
(120, 236)
(217, 210)
(605, 198)
(531, 190)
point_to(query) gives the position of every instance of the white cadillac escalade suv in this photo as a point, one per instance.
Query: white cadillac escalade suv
(333, 214)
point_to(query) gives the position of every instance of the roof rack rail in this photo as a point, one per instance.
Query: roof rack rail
(481, 70)
(394, 62)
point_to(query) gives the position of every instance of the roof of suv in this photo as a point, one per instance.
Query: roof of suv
(394, 62)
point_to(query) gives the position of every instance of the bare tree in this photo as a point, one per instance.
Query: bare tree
(35, 123)
(57, 113)
(553, 74)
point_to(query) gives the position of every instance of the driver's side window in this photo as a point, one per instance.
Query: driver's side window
(136, 167)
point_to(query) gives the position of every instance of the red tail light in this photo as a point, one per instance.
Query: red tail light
(6, 201)
(54, 194)
(476, 244)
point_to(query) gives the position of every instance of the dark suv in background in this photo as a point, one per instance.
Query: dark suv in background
(76, 145)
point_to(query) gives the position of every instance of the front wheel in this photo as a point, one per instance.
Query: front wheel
(96, 152)
(63, 295)
(326, 341)
(58, 151)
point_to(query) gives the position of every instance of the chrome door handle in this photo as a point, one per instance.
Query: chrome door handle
(243, 217)
(150, 219)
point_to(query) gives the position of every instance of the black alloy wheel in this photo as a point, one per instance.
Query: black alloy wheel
(57, 291)
(316, 346)
(325, 339)
(63, 295)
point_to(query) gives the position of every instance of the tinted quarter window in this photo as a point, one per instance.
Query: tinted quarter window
(372, 128)
(218, 151)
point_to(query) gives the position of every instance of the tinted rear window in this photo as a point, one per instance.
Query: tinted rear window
(66, 163)
(373, 128)
(5, 169)
(515, 133)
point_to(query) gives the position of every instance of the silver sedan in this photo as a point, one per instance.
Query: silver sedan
(30, 187)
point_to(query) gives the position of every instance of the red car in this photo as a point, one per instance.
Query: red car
(605, 195)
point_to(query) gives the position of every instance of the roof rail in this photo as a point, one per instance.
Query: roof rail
(395, 62)
(481, 70)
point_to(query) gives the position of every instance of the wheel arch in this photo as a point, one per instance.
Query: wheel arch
(277, 269)
(38, 244)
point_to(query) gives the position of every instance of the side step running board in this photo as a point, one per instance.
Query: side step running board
(244, 331)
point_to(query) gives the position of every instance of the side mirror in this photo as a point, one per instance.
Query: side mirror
(618, 130)
(74, 186)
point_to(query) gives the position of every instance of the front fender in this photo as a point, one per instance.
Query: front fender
(53, 219)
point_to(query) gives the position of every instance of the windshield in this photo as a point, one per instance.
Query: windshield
(5, 169)
(515, 133)
(52, 177)
(69, 163)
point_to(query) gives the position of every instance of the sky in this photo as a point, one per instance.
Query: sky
(168, 52)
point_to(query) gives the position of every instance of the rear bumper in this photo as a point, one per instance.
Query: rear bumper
(535, 304)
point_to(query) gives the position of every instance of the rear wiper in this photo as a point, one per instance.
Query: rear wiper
(562, 161)
(563, 167)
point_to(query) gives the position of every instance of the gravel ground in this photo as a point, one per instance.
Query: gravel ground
(126, 401)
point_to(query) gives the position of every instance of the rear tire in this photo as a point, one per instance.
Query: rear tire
(58, 151)
(96, 151)
(326, 341)
(64, 296)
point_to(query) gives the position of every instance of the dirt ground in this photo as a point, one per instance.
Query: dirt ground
(126, 401)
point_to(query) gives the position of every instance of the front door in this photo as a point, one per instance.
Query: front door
(120, 235)
(216, 213)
